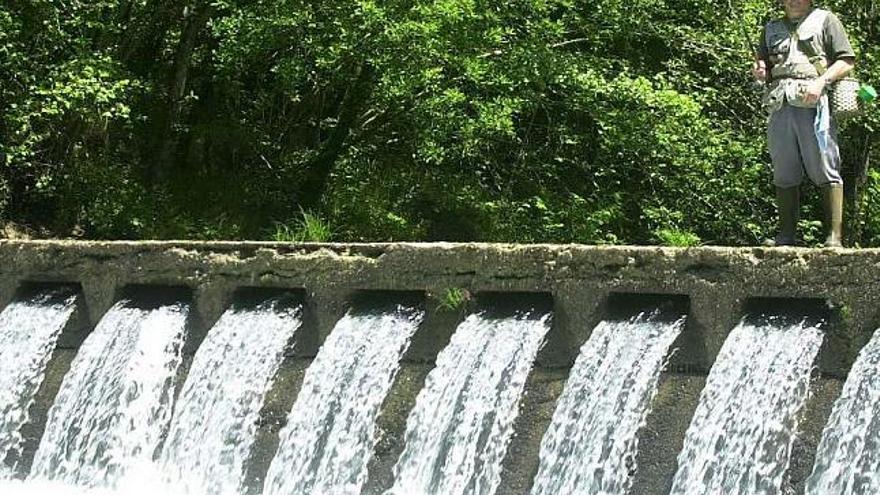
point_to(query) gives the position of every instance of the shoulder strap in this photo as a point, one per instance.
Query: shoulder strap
(773, 27)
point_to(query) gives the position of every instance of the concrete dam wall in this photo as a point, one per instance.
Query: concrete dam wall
(580, 286)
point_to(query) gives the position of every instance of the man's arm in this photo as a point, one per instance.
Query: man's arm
(838, 49)
(837, 71)
(762, 56)
(759, 70)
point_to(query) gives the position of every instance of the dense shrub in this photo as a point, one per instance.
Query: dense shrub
(598, 121)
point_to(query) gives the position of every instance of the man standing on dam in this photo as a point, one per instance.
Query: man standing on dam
(799, 56)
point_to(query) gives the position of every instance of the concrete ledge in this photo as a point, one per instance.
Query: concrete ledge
(717, 280)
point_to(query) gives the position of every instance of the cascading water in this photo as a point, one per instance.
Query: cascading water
(329, 436)
(29, 330)
(848, 458)
(591, 444)
(458, 432)
(215, 420)
(740, 438)
(115, 402)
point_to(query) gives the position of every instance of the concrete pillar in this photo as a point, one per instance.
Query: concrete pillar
(714, 311)
(8, 286)
(855, 318)
(99, 293)
(437, 328)
(324, 306)
(577, 309)
(210, 300)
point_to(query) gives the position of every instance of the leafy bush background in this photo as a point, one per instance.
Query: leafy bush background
(594, 121)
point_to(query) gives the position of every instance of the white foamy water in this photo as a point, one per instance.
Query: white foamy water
(591, 444)
(55, 488)
(29, 330)
(462, 423)
(115, 402)
(740, 438)
(330, 432)
(215, 421)
(144, 486)
(848, 458)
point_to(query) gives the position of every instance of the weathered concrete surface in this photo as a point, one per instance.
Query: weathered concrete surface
(273, 417)
(391, 426)
(718, 282)
(32, 432)
(71, 336)
(662, 438)
(535, 414)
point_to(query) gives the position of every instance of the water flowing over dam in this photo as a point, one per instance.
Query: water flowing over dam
(29, 330)
(741, 435)
(182, 368)
(457, 434)
(591, 444)
(215, 420)
(116, 400)
(848, 458)
(329, 435)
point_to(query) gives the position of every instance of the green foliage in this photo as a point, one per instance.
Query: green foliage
(527, 121)
(107, 202)
(871, 213)
(308, 228)
(454, 299)
(285, 233)
(677, 238)
(844, 313)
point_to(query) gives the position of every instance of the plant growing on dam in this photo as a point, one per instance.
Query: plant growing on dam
(677, 238)
(308, 228)
(454, 299)
(525, 121)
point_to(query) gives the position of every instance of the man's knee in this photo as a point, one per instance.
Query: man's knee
(787, 172)
(823, 174)
(787, 175)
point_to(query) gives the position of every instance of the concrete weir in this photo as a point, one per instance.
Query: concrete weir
(582, 283)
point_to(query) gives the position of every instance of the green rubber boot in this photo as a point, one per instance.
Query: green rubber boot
(789, 206)
(833, 202)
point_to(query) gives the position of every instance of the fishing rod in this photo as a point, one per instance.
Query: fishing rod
(747, 41)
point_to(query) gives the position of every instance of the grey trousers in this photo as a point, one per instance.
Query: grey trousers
(794, 148)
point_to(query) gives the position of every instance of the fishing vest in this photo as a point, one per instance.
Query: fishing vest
(796, 58)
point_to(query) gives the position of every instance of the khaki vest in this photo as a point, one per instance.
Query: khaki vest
(796, 58)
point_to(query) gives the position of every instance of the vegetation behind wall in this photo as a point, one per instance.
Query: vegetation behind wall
(594, 121)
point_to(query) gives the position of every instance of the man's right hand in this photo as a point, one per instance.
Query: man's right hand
(759, 71)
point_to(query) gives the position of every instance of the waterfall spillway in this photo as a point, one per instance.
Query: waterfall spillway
(848, 458)
(330, 432)
(740, 438)
(233, 369)
(458, 432)
(591, 444)
(117, 427)
(115, 402)
(29, 330)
